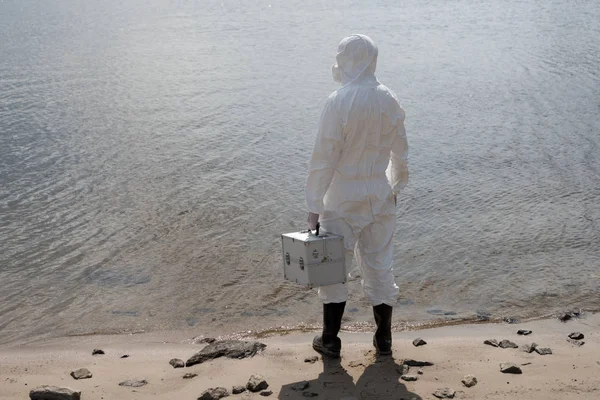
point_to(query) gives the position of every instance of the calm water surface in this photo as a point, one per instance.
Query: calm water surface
(152, 153)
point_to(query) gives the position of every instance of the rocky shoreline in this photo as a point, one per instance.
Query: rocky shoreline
(451, 362)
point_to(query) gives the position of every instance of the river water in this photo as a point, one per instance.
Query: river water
(153, 152)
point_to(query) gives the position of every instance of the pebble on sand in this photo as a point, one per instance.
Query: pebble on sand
(444, 393)
(524, 332)
(543, 351)
(529, 348)
(47, 392)
(491, 342)
(266, 393)
(134, 383)
(97, 352)
(419, 342)
(507, 344)
(189, 375)
(409, 378)
(177, 363)
(256, 383)
(510, 368)
(214, 394)
(311, 360)
(81, 373)
(238, 389)
(469, 381)
(576, 336)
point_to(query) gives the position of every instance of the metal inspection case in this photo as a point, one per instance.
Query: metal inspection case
(313, 259)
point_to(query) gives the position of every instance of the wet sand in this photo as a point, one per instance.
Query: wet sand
(455, 351)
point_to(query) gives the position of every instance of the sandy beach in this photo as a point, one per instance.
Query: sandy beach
(455, 351)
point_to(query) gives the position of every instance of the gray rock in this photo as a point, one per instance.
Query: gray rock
(523, 332)
(510, 368)
(419, 342)
(177, 363)
(81, 373)
(189, 375)
(420, 371)
(311, 360)
(529, 348)
(310, 394)
(409, 378)
(54, 393)
(256, 383)
(469, 381)
(444, 393)
(227, 348)
(491, 342)
(97, 352)
(402, 369)
(266, 393)
(124, 356)
(576, 336)
(414, 363)
(577, 343)
(507, 344)
(543, 351)
(214, 394)
(134, 383)
(300, 386)
(238, 389)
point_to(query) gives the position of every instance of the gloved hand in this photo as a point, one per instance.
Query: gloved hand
(313, 219)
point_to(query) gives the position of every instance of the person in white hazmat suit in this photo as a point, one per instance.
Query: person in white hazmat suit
(358, 167)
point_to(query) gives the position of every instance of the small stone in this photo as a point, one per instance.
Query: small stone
(266, 393)
(444, 393)
(576, 336)
(97, 352)
(469, 381)
(414, 363)
(402, 369)
(420, 371)
(510, 368)
(510, 320)
(409, 378)
(419, 342)
(54, 393)
(523, 332)
(543, 351)
(529, 348)
(507, 344)
(491, 342)
(238, 389)
(189, 375)
(214, 394)
(310, 394)
(256, 383)
(300, 386)
(208, 340)
(177, 363)
(125, 356)
(577, 343)
(311, 360)
(134, 383)
(81, 373)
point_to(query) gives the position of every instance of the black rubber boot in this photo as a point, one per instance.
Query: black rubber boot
(383, 336)
(328, 343)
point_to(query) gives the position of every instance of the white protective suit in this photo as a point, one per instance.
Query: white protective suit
(358, 164)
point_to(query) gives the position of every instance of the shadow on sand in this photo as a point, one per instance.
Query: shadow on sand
(380, 380)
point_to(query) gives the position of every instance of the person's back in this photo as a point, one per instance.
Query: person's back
(358, 166)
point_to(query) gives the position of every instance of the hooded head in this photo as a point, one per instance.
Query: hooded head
(356, 59)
